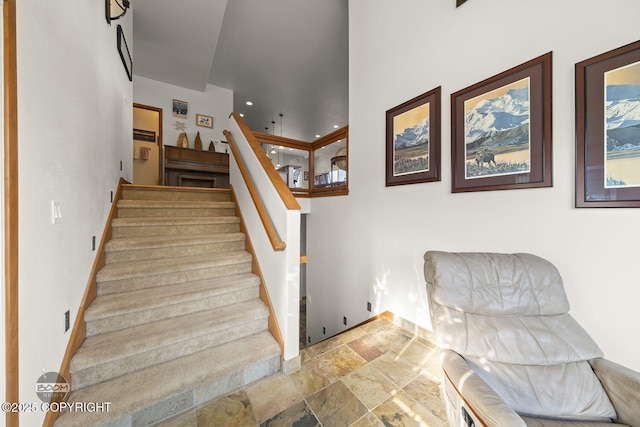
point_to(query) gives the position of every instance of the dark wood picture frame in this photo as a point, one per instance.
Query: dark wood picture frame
(144, 135)
(413, 159)
(519, 154)
(204, 121)
(123, 50)
(595, 186)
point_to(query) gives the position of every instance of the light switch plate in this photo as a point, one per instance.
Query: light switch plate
(56, 212)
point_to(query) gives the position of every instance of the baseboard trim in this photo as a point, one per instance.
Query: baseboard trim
(412, 328)
(78, 333)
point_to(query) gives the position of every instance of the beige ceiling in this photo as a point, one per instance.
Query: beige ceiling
(286, 56)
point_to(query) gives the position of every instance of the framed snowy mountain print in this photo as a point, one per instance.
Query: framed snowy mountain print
(413, 140)
(501, 130)
(608, 129)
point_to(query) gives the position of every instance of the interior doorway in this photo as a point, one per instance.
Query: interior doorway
(147, 145)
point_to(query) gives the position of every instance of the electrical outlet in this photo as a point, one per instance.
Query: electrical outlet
(121, 165)
(93, 243)
(309, 340)
(67, 320)
(324, 331)
(111, 196)
(368, 306)
(344, 320)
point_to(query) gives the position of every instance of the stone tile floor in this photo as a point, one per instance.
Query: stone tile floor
(377, 374)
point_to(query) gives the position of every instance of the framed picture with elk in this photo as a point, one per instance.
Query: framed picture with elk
(413, 140)
(501, 130)
(608, 129)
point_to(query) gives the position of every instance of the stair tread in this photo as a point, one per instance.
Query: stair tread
(163, 204)
(155, 384)
(151, 242)
(131, 269)
(117, 304)
(160, 221)
(99, 349)
(187, 320)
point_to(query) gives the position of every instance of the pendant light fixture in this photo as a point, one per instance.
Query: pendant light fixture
(281, 116)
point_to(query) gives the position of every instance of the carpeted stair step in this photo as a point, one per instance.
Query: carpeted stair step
(153, 394)
(141, 192)
(124, 310)
(131, 276)
(174, 209)
(111, 355)
(156, 247)
(134, 227)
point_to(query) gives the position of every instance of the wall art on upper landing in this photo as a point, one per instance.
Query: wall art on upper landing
(608, 129)
(125, 55)
(204, 121)
(501, 130)
(413, 140)
(180, 109)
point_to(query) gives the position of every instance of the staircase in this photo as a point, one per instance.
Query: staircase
(177, 320)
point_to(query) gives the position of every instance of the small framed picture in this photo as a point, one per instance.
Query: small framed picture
(608, 129)
(144, 135)
(204, 121)
(413, 140)
(180, 109)
(125, 55)
(501, 130)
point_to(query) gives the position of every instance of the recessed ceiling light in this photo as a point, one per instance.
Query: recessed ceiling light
(241, 114)
(249, 103)
(336, 126)
(317, 136)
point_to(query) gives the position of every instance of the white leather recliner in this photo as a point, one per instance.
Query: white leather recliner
(512, 355)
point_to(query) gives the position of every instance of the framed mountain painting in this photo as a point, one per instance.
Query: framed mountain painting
(608, 129)
(501, 130)
(413, 140)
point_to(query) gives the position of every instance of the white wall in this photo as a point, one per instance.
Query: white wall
(373, 240)
(74, 115)
(214, 101)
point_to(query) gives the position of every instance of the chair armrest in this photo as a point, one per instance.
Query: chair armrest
(623, 388)
(483, 401)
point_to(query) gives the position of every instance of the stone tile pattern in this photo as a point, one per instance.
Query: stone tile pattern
(377, 374)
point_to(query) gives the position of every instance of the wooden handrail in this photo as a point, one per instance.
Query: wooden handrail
(10, 143)
(281, 187)
(267, 138)
(276, 243)
(334, 136)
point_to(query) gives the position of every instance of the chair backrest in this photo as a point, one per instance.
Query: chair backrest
(507, 315)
